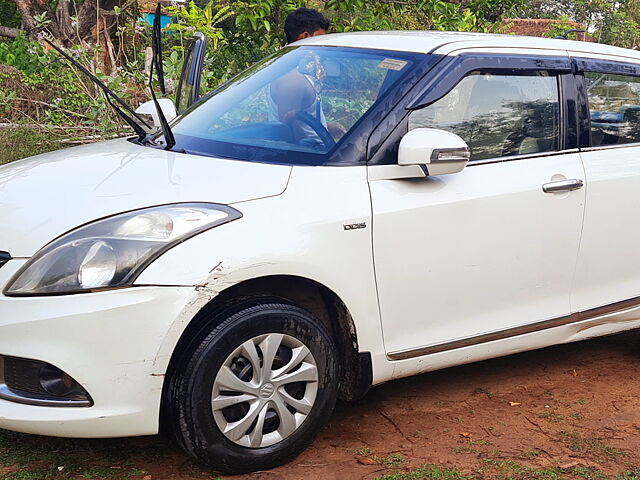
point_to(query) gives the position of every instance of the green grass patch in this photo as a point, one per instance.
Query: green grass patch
(508, 469)
(479, 442)
(590, 446)
(511, 470)
(392, 460)
(26, 475)
(629, 475)
(427, 472)
(560, 417)
(463, 450)
(38, 458)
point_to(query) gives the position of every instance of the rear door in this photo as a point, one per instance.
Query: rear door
(609, 261)
(489, 252)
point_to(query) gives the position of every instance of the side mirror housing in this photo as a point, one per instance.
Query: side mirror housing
(148, 110)
(438, 152)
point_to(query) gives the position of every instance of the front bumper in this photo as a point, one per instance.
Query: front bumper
(107, 341)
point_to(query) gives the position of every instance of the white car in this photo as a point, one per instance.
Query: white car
(437, 199)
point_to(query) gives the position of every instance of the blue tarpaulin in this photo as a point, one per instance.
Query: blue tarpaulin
(150, 17)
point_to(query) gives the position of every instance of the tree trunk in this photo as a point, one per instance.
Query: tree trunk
(63, 17)
(8, 32)
(29, 10)
(59, 24)
(87, 22)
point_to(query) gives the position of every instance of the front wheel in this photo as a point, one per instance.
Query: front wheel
(256, 390)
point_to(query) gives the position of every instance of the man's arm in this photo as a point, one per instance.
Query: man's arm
(291, 94)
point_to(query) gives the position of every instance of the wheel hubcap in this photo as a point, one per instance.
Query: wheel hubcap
(264, 390)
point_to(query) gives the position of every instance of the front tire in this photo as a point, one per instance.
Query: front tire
(256, 390)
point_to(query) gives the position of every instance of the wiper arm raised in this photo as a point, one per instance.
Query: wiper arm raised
(169, 139)
(110, 96)
(156, 63)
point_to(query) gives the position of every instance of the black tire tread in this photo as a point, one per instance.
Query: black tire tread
(191, 358)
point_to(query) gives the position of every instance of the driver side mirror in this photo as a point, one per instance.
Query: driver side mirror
(437, 152)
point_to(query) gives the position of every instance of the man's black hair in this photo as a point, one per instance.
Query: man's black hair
(304, 20)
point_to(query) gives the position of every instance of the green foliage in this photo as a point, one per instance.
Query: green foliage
(50, 91)
(263, 20)
(615, 22)
(620, 27)
(9, 16)
(559, 28)
(353, 15)
(191, 18)
(240, 32)
(257, 30)
(26, 56)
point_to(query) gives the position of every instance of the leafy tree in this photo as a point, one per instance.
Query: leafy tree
(349, 15)
(609, 21)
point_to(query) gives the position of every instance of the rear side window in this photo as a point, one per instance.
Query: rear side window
(498, 115)
(614, 107)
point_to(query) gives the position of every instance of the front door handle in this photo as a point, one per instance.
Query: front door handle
(563, 185)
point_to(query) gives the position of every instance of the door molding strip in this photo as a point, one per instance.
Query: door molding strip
(516, 331)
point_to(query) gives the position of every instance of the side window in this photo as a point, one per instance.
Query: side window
(498, 115)
(614, 107)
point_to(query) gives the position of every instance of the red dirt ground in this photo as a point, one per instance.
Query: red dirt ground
(573, 408)
(578, 406)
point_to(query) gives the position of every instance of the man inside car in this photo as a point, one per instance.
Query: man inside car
(295, 97)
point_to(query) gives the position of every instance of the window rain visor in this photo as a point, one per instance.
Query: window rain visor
(112, 252)
(293, 107)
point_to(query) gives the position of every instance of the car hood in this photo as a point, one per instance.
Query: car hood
(45, 196)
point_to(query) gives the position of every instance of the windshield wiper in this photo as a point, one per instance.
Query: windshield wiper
(156, 62)
(119, 106)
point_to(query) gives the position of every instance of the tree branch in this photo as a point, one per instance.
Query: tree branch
(8, 32)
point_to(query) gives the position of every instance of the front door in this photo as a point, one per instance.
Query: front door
(464, 258)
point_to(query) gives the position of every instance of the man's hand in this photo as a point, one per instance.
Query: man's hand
(337, 130)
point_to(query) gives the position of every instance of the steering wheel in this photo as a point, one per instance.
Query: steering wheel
(317, 127)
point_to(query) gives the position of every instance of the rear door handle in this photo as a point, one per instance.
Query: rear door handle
(563, 185)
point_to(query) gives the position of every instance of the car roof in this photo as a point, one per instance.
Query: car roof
(450, 42)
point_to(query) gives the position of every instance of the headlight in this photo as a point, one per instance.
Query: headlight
(112, 252)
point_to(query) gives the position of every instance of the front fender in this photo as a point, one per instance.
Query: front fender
(299, 233)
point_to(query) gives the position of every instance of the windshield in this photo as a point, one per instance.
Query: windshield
(293, 107)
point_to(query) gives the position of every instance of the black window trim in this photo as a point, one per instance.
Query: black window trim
(581, 65)
(383, 144)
